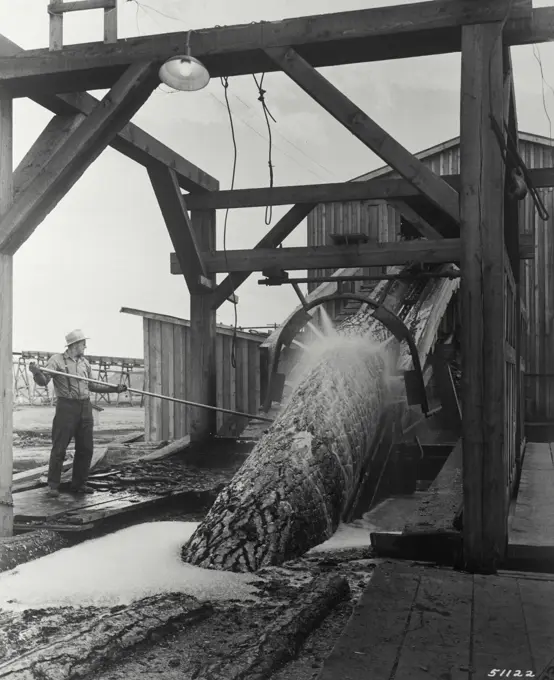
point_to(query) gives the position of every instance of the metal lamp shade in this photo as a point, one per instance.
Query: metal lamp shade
(184, 73)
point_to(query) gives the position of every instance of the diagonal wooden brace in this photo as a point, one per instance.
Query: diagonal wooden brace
(81, 147)
(430, 185)
(177, 220)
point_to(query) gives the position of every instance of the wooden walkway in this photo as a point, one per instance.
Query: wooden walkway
(531, 537)
(424, 623)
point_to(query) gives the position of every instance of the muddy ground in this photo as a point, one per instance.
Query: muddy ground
(185, 648)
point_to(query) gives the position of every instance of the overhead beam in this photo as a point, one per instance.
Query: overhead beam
(485, 472)
(245, 262)
(376, 34)
(67, 163)
(131, 141)
(388, 189)
(179, 226)
(274, 237)
(329, 257)
(367, 131)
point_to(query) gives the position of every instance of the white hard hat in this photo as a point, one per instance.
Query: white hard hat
(75, 336)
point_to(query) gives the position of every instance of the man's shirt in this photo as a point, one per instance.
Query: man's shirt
(66, 388)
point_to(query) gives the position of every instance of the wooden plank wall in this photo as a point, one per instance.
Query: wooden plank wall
(381, 222)
(167, 365)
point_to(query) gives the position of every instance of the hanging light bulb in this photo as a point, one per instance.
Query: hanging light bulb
(184, 72)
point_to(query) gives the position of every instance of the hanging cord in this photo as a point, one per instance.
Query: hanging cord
(267, 114)
(225, 83)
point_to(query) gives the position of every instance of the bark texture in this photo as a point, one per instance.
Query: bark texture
(78, 651)
(20, 549)
(303, 474)
(284, 636)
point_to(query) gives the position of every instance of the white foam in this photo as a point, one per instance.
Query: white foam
(118, 569)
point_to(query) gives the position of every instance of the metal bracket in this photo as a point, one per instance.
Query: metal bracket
(415, 384)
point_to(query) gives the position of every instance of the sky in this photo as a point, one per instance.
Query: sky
(105, 245)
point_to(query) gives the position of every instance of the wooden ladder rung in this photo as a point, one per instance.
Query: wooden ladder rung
(57, 8)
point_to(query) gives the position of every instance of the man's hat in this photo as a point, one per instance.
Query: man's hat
(75, 336)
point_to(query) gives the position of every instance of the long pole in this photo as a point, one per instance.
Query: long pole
(158, 396)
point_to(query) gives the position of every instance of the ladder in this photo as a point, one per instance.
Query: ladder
(57, 8)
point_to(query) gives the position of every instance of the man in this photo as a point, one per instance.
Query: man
(73, 418)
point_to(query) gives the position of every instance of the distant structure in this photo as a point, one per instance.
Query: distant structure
(124, 370)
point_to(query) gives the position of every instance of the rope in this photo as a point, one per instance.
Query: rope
(225, 83)
(267, 115)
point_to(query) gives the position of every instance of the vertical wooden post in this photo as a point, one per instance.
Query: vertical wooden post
(56, 27)
(6, 325)
(482, 293)
(203, 328)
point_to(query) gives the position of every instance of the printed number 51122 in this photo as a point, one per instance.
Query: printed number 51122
(510, 673)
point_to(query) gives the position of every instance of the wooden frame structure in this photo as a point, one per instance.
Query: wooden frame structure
(478, 224)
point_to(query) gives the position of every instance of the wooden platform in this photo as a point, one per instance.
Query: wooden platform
(424, 525)
(33, 509)
(531, 536)
(424, 623)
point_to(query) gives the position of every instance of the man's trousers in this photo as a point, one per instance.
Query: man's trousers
(73, 419)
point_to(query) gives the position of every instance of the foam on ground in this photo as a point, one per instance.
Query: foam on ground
(118, 569)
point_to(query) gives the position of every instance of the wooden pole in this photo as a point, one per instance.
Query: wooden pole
(483, 286)
(6, 326)
(203, 336)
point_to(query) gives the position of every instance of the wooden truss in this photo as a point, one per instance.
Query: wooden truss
(476, 224)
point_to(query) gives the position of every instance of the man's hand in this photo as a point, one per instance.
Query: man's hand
(33, 368)
(121, 388)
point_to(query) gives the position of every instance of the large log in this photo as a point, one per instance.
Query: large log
(300, 479)
(17, 550)
(284, 635)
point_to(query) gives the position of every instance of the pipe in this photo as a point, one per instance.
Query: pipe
(158, 396)
(344, 279)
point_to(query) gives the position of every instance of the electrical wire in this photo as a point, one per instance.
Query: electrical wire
(225, 84)
(537, 56)
(256, 132)
(267, 114)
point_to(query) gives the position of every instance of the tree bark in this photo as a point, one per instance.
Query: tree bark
(293, 490)
(77, 651)
(284, 636)
(17, 550)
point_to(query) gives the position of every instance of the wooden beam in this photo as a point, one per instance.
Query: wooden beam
(483, 290)
(179, 226)
(131, 141)
(48, 142)
(375, 34)
(64, 167)
(274, 237)
(203, 338)
(57, 7)
(409, 214)
(380, 189)
(329, 257)
(429, 184)
(6, 326)
(511, 205)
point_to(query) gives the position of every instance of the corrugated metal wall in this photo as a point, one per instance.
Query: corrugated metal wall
(381, 222)
(167, 362)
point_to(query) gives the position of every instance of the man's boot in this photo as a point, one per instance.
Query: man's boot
(85, 489)
(52, 492)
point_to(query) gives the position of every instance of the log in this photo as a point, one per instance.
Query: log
(80, 650)
(17, 550)
(284, 636)
(300, 479)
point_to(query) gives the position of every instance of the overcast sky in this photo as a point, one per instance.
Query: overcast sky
(105, 245)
